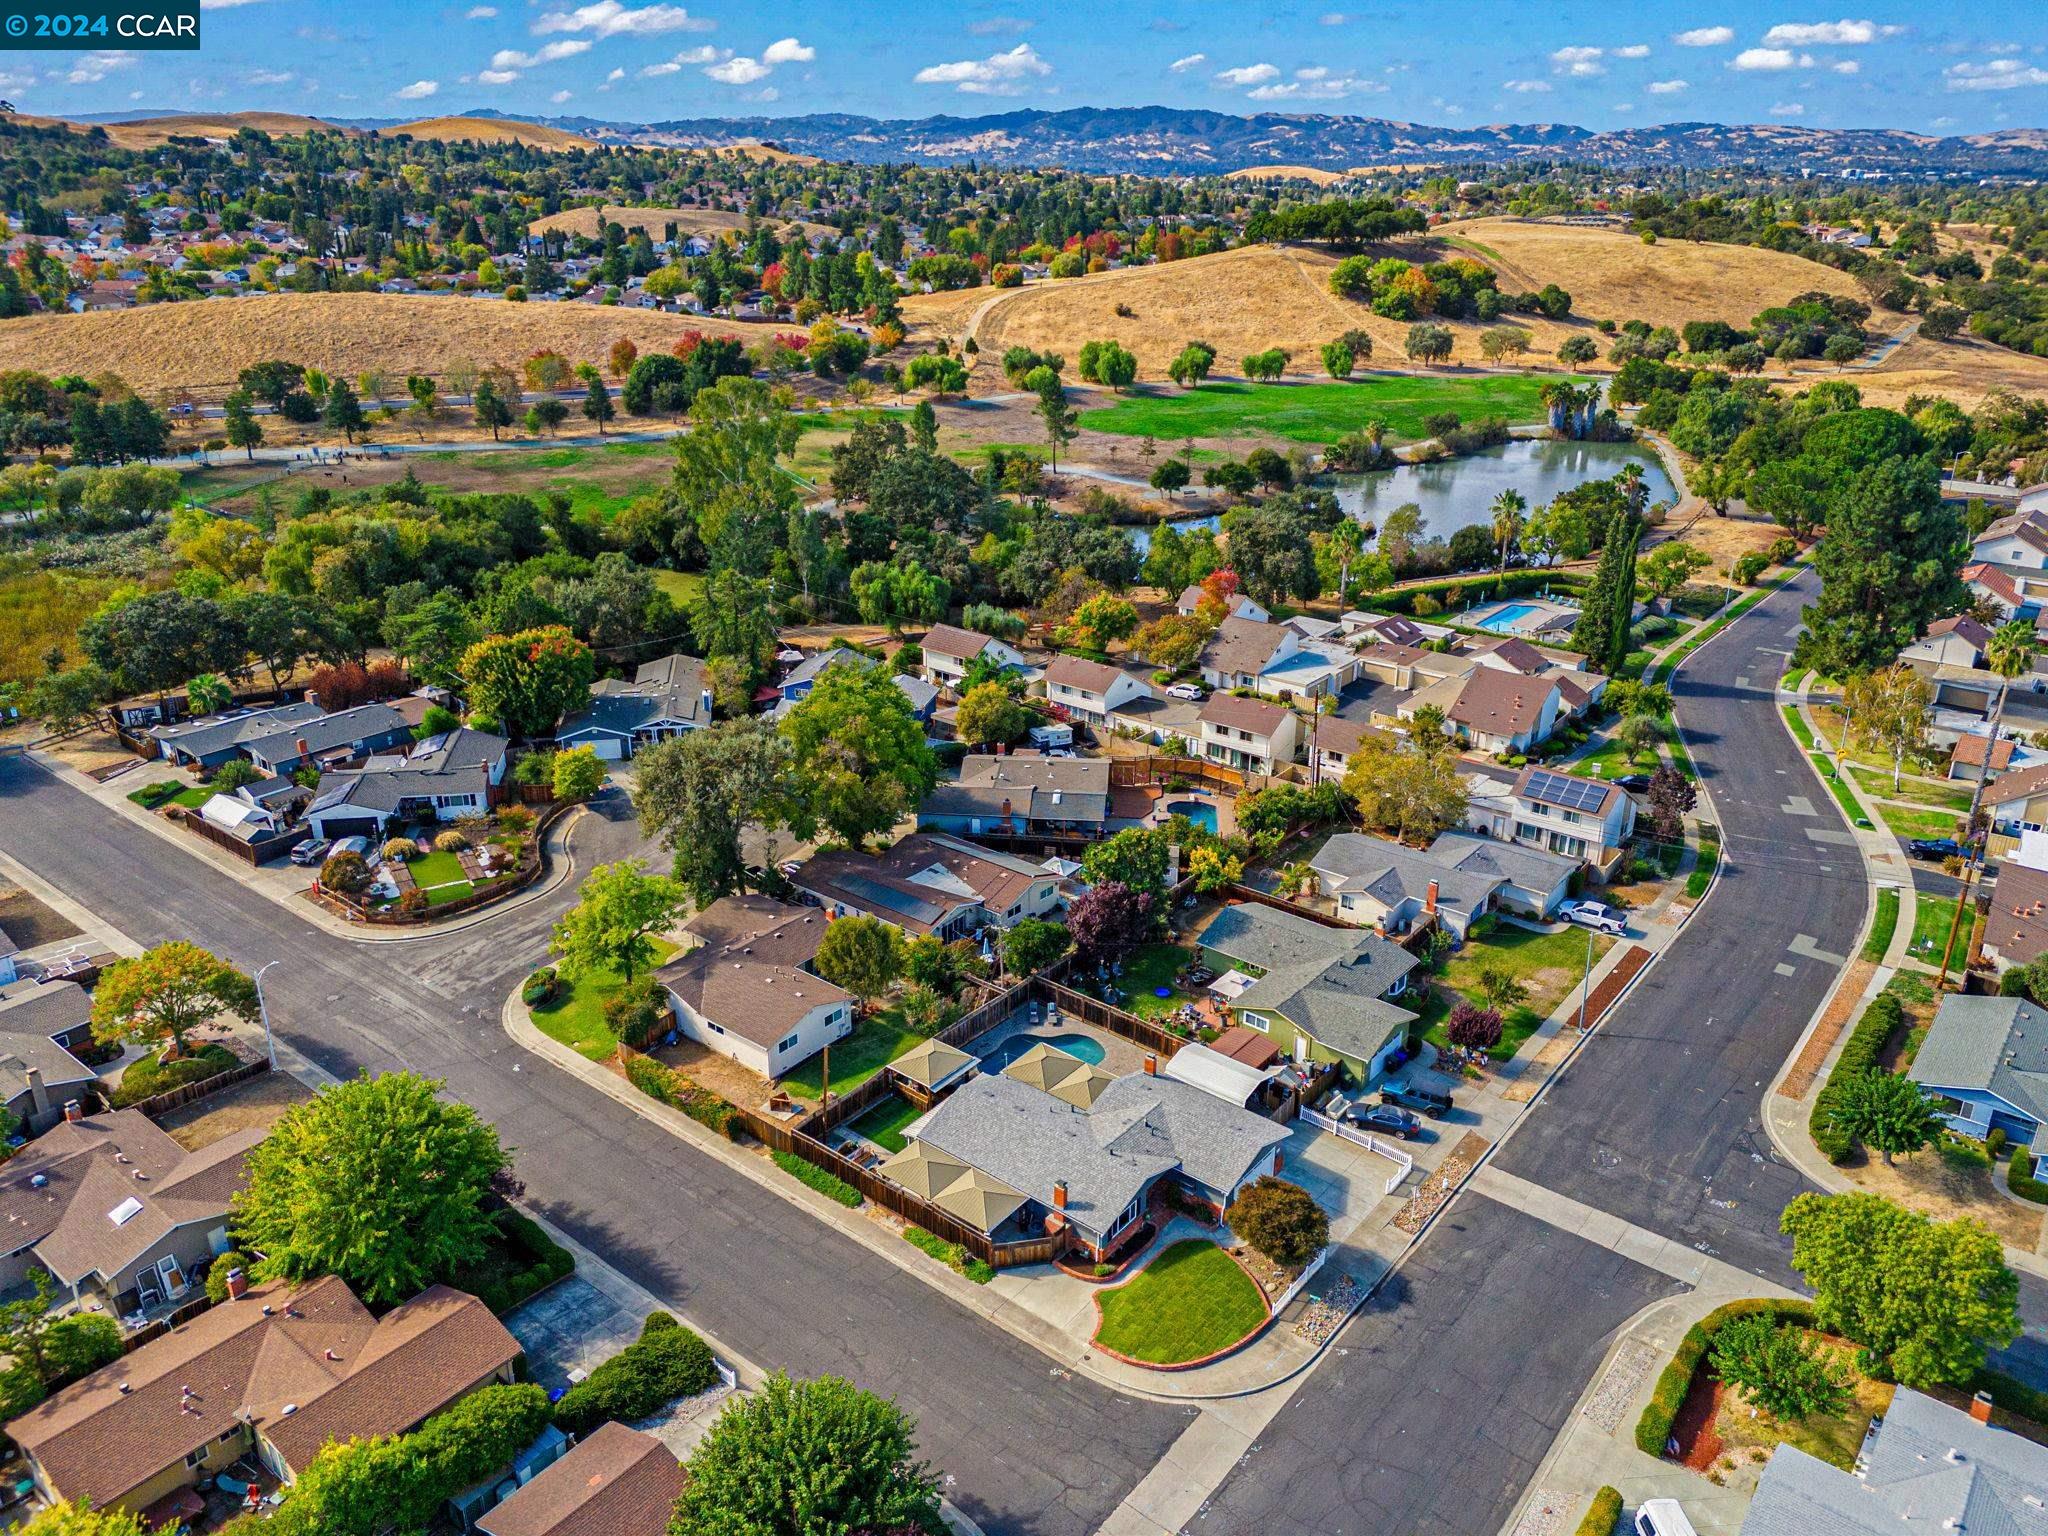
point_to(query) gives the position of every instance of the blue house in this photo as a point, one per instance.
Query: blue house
(1985, 1065)
(798, 682)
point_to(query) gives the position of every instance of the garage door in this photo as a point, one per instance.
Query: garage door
(610, 748)
(333, 827)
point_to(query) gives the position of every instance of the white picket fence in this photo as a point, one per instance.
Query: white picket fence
(1300, 1282)
(1403, 1163)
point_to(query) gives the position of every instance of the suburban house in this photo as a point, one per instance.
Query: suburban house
(212, 740)
(1015, 1161)
(2017, 802)
(1966, 759)
(1958, 641)
(41, 1023)
(334, 738)
(666, 697)
(929, 883)
(1985, 1063)
(616, 1482)
(276, 1371)
(111, 1206)
(1275, 659)
(442, 778)
(1320, 994)
(1409, 668)
(1092, 691)
(2010, 595)
(797, 683)
(1535, 883)
(1334, 741)
(949, 650)
(1502, 711)
(1924, 1466)
(2016, 927)
(748, 991)
(1248, 734)
(1397, 628)
(1190, 601)
(1021, 794)
(1559, 812)
(2018, 541)
(1378, 883)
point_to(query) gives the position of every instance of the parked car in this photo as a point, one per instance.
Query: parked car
(1388, 1119)
(1425, 1101)
(1635, 783)
(1935, 848)
(356, 845)
(309, 853)
(1596, 915)
(1663, 1517)
(1189, 691)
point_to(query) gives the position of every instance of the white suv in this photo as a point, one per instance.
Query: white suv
(1596, 915)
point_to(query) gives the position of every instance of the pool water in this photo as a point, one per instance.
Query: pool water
(1200, 812)
(1081, 1047)
(1506, 618)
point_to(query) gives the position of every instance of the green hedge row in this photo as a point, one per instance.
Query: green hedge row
(824, 1183)
(546, 1261)
(1653, 1429)
(668, 1086)
(2019, 1178)
(1513, 584)
(1862, 1053)
(1601, 1517)
(665, 1363)
(952, 1255)
(2014, 1396)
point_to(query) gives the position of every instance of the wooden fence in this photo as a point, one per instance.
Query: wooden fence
(249, 850)
(1242, 892)
(163, 1325)
(187, 1093)
(1156, 768)
(526, 874)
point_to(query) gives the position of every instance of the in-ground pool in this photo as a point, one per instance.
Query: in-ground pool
(1200, 812)
(1081, 1047)
(1504, 618)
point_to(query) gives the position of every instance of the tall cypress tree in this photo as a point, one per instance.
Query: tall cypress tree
(1625, 533)
(1593, 632)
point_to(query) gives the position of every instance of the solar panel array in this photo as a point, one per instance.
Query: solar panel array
(877, 894)
(1573, 794)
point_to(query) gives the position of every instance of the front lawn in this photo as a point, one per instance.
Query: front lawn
(1321, 413)
(1833, 1438)
(1877, 783)
(432, 869)
(875, 1042)
(575, 1016)
(1550, 965)
(1609, 761)
(1911, 824)
(883, 1125)
(1882, 926)
(154, 797)
(1933, 916)
(1188, 1303)
(151, 1075)
(455, 890)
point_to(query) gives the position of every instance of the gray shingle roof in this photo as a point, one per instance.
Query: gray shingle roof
(668, 688)
(1029, 784)
(1997, 1044)
(1330, 982)
(1392, 873)
(814, 666)
(202, 737)
(341, 729)
(1533, 869)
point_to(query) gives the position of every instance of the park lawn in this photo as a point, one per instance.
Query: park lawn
(1188, 1303)
(1320, 413)
(883, 1125)
(1877, 783)
(576, 1016)
(1153, 966)
(875, 1042)
(1909, 824)
(680, 587)
(432, 869)
(1550, 965)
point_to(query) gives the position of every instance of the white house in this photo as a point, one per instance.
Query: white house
(1091, 691)
(748, 992)
(2018, 541)
(665, 698)
(1564, 813)
(1498, 711)
(929, 883)
(1239, 607)
(949, 650)
(1951, 642)
(1276, 659)
(1379, 883)
(442, 778)
(1249, 734)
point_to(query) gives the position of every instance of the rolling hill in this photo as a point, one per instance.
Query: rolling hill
(152, 132)
(694, 221)
(491, 130)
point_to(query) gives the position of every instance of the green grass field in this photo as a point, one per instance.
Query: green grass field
(1188, 1303)
(1882, 927)
(1550, 965)
(883, 1125)
(875, 1042)
(576, 1016)
(1911, 824)
(432, 869)
(1933, 916)
(682, 587)
(1320, 413)
(1877, 782)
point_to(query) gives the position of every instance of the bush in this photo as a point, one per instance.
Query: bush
(516, 819)
(1862, 1053)
(1606, 1509)
(1653, 1429)
(637, 1011)
(1963, 1152)
(217, 1276)
(535, 769)
(540, 987)
(952, 1255)
(1279, 1219)
(527, 1263)
(413, 903)
(400, 849)
(1749, 568)
(346, 873)
(667, 1362)
(1995, 1142)
(152, 1075)
(1778, 1369)
(153, 796)
(667, 1086)
(824, 1183)
(2019, 1178)
(450, 841)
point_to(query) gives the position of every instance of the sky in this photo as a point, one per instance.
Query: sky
(1932, 68)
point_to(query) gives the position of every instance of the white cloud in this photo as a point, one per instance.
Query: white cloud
(419, 90)
(1317, 72)
(1000, 74)
(788, 51)
(608, 18)
(1788, 109)
(268, 77)
(1633, 51)
(1770, 59)
(480, 13)
(1805, 34)
(1846, 67)
(766, 93)
(95, 67)
(1182, 66)
(1580, 62)
(547, 53)
(1248, 74)
(560, 96)
(1667, 87)
(1525, 87)
(1998, 75)
(738, 71)
(496, 76)
(1316, 84)
(1333, 18)
(1623, 106)
(615, 76)
(1704, 37)
(999, 26)
(655, 71)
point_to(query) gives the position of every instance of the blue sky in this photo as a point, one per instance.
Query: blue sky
(1931, 68)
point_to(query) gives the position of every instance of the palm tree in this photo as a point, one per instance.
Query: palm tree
(2009, 652)
(1508, 509)
(1635, 491)
(1557, 396)
(1347, 543)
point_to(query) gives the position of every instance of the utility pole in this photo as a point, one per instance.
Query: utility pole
(1586, 982)
(263, 1011)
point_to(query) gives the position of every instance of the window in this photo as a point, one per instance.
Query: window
(196, 1458)
(716, 1029)
(788, 1044)
(1259, 1022)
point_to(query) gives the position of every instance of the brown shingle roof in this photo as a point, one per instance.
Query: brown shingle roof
(2017, 924)
(1519, 654)
(1969, 752)
(1079, 672)
(2024, 785)
(921, 880)
(619, 1482)
(1254, 715)
(1344, 737)
(1242, 647)
(1501, 703)
(952, 640)
(312, 1367)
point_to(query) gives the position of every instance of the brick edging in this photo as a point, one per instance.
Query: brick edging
(1252, 1336)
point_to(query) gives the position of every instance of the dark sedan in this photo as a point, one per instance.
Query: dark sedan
(1935, 848)
(1387, 1120)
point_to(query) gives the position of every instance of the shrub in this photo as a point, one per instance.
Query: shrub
(399, 849)
(1653, 1429)
(217, 1276)
(1778, 1369)
(153, 796)
(1474, 1027)
(637, 1011)
(952, 1255)
(535, 769)
(450, 841)
(1995, 1142)
(346, 873)
(1749, 568)
(2019, 1177)
(516, 819)
(666, 1362)
(152, 1075)
(1862, 1053)
(1279, 1219)
(527, 1263)
(829, 1184)
(1963, 1152)
(413, 902)
(539, 987)
(1606, 1508)
(667, 1086)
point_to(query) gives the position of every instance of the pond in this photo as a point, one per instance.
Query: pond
(1457, 493)
(1141, 537)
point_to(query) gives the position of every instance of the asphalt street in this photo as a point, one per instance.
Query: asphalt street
(1025, 1451)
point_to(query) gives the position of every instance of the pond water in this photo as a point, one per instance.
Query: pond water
(1457, 493)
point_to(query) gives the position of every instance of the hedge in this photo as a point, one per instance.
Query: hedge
(546, 1261)
(665, 1363)
(2019, 1178)
(952, 1255)
(1600, 1519)
(667, 1086)
(2014, 1396)
(824, 1183)
(1653, 1429)
(1861, 1053)
(1513, 584)
(151, 1075)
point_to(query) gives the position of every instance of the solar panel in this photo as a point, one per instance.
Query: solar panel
(876, 894)
(1573, 794)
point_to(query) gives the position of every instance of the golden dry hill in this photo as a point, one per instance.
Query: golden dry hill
(200, 346)
(153, 132)
(1284, 173)
(491, 130)
(691, 221)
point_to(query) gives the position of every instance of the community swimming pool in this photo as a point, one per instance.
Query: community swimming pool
(1200, 812)
(1502, 620)
(1081, 1047)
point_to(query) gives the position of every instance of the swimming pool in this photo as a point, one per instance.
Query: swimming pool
(1081, 1047)
(1200, 812)
(1504, 618)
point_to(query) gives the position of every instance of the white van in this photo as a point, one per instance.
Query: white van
(1663, 1517)
(1045, 737)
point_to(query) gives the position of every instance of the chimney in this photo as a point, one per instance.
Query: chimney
(304, 750)
(1151, 1064)
(1059, 1194)
(1429, 901)
(73, 1111)
(238, 1284)
(38, 1095)
(1980, 1407)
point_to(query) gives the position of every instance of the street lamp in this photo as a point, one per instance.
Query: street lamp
(263, 1010)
